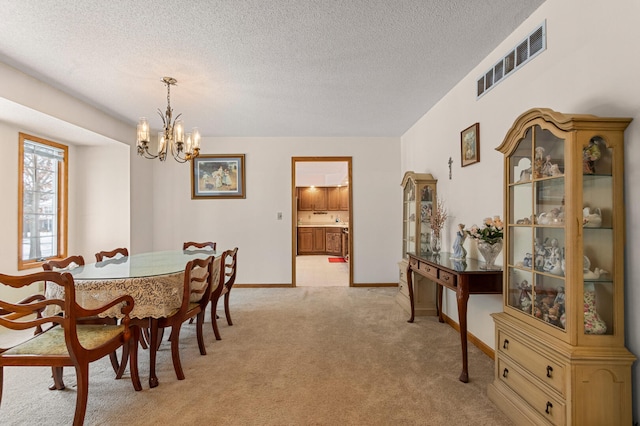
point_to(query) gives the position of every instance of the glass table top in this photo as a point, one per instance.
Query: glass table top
(139, 265)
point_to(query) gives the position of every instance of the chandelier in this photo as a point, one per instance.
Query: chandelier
(172, 138)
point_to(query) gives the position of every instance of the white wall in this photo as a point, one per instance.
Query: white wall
(102, 220)
(99, 218)
(251, 224)
(588, 68)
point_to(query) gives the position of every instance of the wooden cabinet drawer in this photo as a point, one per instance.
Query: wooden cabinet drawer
(548, 371)
(402, 279)
(551, 409)
(447, 278)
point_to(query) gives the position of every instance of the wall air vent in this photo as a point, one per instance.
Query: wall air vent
(534, 44)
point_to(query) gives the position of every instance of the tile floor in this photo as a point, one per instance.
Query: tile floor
(317, 271)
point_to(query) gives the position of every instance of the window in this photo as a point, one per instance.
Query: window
(42, 201)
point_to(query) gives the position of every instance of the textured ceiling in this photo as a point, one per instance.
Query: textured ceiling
(259, 67)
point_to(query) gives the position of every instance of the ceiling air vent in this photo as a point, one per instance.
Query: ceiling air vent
(534, 44)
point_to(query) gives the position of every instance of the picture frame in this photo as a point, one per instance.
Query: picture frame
(218, 176)
(470, 145)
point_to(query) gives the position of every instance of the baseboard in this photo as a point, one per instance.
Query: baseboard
(291, 285)
(263, 285)
(487, 350)
(375, 285)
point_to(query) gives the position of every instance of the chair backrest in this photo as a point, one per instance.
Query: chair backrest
(101, 255)
(65, 263)
(197, 282)
(34, 311)
(191, 244)
(230, 259)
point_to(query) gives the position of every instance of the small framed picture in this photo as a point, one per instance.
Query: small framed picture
(470, 144)
(218, 176)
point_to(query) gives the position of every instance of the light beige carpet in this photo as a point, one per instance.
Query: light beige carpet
(300, 356)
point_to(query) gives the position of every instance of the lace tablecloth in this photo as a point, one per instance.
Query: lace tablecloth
(154, 297)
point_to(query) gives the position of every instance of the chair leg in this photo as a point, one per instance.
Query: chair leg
(115, 364)
(58, 383)
(1, 382)
(125, 356)
(82, 377)
(214, 322)
(175, 351)
(132, 349)
(226, 307)
(199, 324)
(144, 337)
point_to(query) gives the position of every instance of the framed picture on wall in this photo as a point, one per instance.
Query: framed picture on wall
(470, 144)
(218, 176)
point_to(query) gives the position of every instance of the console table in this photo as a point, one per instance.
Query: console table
(462, 276)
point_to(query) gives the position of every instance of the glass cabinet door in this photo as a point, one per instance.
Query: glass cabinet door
(409, 231)
(598, 238)
(426, 208)
(536, 228)
(419, 193)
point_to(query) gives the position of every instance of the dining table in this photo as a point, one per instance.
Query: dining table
(155, 280)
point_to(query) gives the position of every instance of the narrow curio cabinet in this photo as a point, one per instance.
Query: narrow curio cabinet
(560, 352)
(418, 200)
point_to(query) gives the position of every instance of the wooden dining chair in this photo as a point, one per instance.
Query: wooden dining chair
(65, 264)
(193, 245)
(101, 255)
(199, 276)
(67, 342)
(229, 263)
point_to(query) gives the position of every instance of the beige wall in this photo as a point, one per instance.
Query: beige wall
(589, 67)
(251, 224)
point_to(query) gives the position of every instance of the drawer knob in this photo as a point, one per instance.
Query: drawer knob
(549, 407)
(549, 371)
(505, 344)
(505, 373)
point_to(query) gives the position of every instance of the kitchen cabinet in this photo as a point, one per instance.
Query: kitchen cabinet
(345, 243)
(419, 197)
(338, 198)
(319, 244)
(311, 240)
(305, 240)
(333, 241)
(312, 199)
(560, 351)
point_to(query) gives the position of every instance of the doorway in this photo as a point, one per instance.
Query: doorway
(321, 221)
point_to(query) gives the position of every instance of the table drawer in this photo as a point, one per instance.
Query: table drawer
(429, 270)
(550, 408)
(447, 278)
(537, 364)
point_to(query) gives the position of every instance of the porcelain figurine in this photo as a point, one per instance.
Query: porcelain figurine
(595, 274)
(459, 251)
(590, 154)
(538, 162)
(552, 217)
(591, 218)
(555, 170)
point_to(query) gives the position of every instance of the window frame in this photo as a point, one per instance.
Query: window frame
(62, 202)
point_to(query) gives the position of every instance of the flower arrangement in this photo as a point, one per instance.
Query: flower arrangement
(438, 217)
(491, 232)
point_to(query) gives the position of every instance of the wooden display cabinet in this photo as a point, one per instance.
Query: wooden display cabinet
(560, 352)
(418, 200)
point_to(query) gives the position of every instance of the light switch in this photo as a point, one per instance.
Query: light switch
(279, 215)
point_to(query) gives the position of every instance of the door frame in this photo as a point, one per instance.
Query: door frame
(294, 210)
